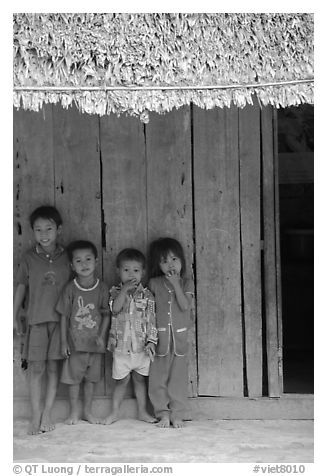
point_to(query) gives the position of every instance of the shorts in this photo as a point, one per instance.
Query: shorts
(42, 342)
(81, 365)
(123, 364)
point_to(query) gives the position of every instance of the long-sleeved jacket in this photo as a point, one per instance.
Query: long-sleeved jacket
(135, 324)
(172, 322)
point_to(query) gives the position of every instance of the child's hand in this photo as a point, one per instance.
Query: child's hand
(173, 278)
(19, 328)
(150, 350)
(112, 344)
(130, 285)
(65, 351)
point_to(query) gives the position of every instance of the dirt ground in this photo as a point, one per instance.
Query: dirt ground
(208, 441)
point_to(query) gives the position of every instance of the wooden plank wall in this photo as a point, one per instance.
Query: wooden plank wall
(217, 238)
(121, 183)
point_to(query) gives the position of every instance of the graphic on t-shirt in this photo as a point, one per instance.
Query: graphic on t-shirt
(83, 315)
(49, 278)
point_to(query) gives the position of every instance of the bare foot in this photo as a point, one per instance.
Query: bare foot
(46, 423)
(144, 416)
(164, 422)
(177, 423)
(110, 419)
(72, 419)
(91, 419)
(34, 426)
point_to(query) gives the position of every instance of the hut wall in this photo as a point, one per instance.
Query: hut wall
(193, 174)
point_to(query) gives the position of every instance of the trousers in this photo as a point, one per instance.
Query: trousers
(168, 385)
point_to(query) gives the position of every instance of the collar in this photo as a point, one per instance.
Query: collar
(86, 289)
(57, 252)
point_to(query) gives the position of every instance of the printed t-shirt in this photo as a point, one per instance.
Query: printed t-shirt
(84, 308)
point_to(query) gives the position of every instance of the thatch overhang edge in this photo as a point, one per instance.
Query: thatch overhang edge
(176, 49)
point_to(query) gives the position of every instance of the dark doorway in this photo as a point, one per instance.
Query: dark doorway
(296, 200)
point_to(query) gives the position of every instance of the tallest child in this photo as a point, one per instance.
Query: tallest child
(42, 274)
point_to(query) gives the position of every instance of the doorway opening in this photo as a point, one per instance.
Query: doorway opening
(296, 203)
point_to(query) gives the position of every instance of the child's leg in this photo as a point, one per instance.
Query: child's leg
(36, 371)
(88, 397)
(158, 393)
(73, 390)
(51, 390)
(141, 398)
(118, 395)
(178, 390)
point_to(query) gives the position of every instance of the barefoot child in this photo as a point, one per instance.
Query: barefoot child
(133, 333)
(84, 311)
(173, 293)
(42, 274)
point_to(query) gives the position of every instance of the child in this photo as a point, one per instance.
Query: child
(133, 334)
(42, 274)
(173, 293)
(84, 311)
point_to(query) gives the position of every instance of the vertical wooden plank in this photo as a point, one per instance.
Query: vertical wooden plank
(169, 193)
(124, 194)
(249, 150)
(33, 186)
(269, 224)
(77, 180)
(217, 238)
(278, 257)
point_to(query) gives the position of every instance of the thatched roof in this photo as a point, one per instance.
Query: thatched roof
(234, 56)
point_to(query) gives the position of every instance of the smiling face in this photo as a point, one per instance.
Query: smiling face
(170, 264)
(45, 233)
(84, 263)
(130, 269)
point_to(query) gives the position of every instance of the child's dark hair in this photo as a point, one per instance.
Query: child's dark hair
(160, 249)
(47, 212)
(81, 245)
(130, 254)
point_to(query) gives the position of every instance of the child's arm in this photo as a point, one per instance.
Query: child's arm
(118, 301)
(104, 327)
(105, 314)
(152, 333)
(184, 300)
(18, 301)
(65, 350)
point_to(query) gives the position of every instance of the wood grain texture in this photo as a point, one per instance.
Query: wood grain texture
(250, 169)
(217, 225)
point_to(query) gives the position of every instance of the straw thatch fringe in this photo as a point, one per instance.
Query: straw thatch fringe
(97, 50)
(138, 103)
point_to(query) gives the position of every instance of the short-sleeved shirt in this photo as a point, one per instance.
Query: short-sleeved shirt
(45, 276)
(134, 325)
(84, 308)
(172, 322)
